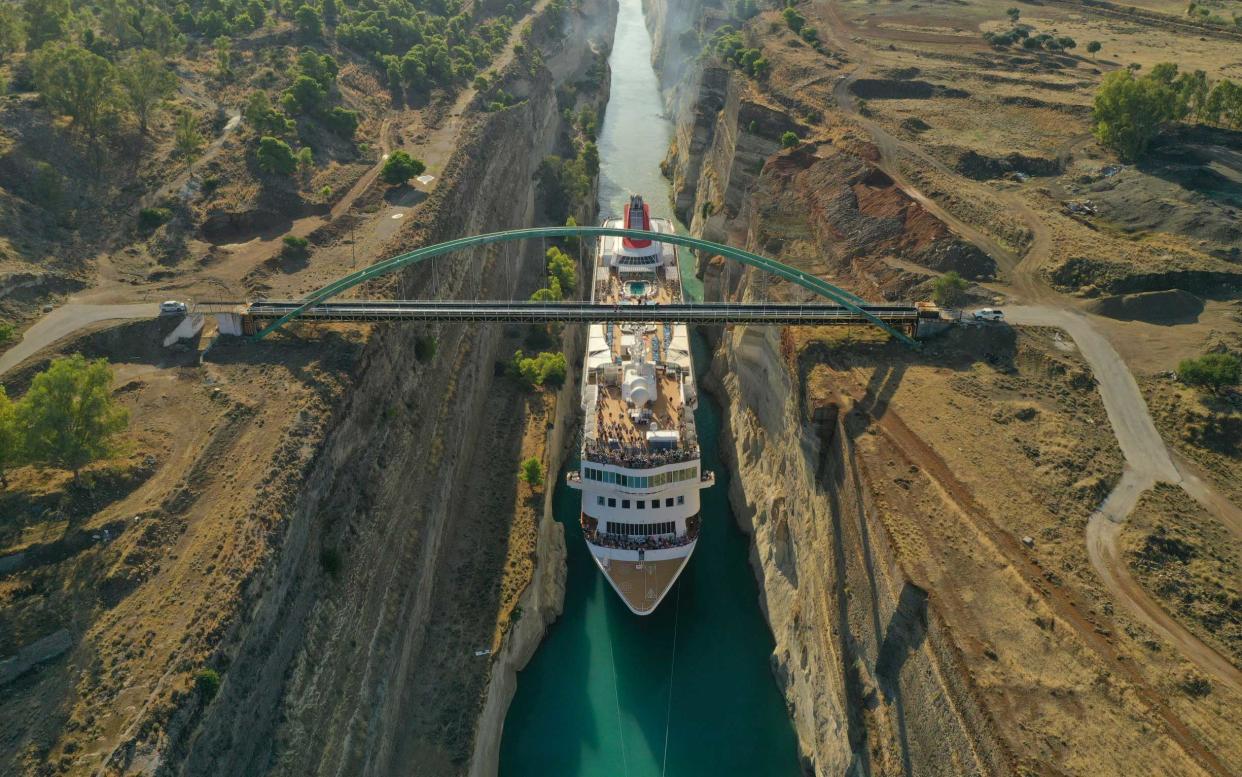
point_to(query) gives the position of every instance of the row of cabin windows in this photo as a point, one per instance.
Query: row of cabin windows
(642, 503)
(641, 529)
(639, 481)
(638, 261)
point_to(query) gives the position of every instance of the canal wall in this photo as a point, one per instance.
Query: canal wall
(869, 673)
(341, 668)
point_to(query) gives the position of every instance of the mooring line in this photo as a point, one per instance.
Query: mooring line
(672, 663)
(612, 656)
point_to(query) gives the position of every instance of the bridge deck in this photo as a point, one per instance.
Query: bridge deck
(580, 312)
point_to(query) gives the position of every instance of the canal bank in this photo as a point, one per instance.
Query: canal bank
(688, 690)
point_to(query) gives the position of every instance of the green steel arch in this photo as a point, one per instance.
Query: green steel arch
(793, 275)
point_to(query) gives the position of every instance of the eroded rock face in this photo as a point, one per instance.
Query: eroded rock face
(867, 668)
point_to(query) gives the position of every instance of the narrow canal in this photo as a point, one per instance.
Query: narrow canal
(687, 690)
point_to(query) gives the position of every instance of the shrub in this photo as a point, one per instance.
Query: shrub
(153, 218)
(295, 247)
(532, 472)
(341, 121)
(789, 139)
(207, 683)
(1214, 371)
(7, 331)
(400, 168)
(794, 19)
(331, 561)
(949, 290)
(424, 348)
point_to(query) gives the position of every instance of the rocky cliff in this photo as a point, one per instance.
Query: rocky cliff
(865, 666)
(356, 666)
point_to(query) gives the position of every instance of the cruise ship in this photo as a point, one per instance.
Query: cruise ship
(640, 475)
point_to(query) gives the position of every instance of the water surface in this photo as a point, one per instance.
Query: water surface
(687, 690)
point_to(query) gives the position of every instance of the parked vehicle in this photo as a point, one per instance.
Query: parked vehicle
(989, 314)
(172, 307)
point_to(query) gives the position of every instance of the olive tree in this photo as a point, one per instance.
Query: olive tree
(77, 83)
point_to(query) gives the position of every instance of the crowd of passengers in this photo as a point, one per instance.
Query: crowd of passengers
(626, 542)
(635, 456)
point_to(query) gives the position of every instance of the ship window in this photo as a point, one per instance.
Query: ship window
(668, 502)
(612, 502)
(625, 504)
(599, 500)
(642, 504)
(681, 500)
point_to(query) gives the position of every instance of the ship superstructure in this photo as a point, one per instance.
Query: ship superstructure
(640, 475)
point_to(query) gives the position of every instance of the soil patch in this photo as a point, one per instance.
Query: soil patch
(1157, 307)
(894, 89)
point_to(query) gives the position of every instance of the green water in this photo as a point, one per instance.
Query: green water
(687, 690)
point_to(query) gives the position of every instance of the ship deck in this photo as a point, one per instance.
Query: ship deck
(644, 585)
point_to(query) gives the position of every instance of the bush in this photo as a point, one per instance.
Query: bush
(532, 472)
(789, 140)
(1214, 371)
(207, 683)
(331, 561)
(794, 19)
(424, 348)
(341, 121)
(153, 218)
(400, 168)
(295, 247)
(949, 290)
(7, 332)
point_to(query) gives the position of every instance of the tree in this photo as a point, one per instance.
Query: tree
(1129, 111)
(305, 95)
(310, 25)
(1093, 46)
(400, 168)
(45, 21)
(561, 268)
(77, 83)
(187, 138)
(207, 683)
(275, 156)
(69, 414)
(224, 56)
(1014, 14)
(532, 472)
(949, 290)
(789, 139)
(10, 438)
(12, 30)
(145, 83)
(1213, 371)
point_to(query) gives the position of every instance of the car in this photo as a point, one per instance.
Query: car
(989, 314)
(172, 307)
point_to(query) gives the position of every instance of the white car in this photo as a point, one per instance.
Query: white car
(989, 314)
(172, 307)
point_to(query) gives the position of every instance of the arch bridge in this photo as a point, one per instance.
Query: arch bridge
(839, 307)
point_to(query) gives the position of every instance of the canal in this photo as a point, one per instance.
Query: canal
(687, 690)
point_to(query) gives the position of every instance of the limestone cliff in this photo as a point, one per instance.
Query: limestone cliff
(868, 673)
(346, 673)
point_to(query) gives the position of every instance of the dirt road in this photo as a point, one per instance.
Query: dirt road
(1147, 462)
(64, 321)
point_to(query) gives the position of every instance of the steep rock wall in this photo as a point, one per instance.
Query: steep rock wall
(869, 674)
(326, 675)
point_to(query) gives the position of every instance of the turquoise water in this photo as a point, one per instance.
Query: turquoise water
(687, 690)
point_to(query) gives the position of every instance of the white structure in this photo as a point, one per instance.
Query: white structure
(640, 476)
